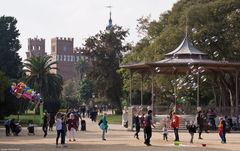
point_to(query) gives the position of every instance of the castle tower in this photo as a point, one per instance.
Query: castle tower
(63, 52)
(36, 47)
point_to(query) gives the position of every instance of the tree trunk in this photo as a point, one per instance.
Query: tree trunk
(231, 101)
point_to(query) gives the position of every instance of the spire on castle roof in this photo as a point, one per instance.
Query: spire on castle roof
(109, 26)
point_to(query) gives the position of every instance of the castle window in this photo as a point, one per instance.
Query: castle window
(69, 58)
(57, 58)
(72, 58)
(77, 58)
(64, 48)
(65, 58)
(61, 57)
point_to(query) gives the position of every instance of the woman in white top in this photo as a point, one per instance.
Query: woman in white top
(59, 130)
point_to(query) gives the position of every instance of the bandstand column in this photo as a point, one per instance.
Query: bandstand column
(130, 89)
(141, 89)
(237, 99)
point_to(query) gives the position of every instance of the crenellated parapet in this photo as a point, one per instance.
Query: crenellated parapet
(67, 39)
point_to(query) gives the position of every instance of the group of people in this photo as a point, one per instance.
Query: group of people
(11, 127)
(146, 122)
(67, 124)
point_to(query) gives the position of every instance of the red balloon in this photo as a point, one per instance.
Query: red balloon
(27, 96)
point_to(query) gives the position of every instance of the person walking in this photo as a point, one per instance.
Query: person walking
(165, 132)
(59, 128)
(191, 129)
(137, 125)
(104, 126)
(200, 123)
(45, 123)
(51, 121)
(174, 123)
(64, 129)
(222, 130)
(148, 128)
(7, 127)
(72, 127)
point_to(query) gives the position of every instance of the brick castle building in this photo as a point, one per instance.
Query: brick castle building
(36, 47)
(62, 51)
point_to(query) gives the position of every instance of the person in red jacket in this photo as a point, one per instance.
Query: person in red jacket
(174, 123)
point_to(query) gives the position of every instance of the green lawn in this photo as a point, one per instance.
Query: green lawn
(112, 119)
(23, 119)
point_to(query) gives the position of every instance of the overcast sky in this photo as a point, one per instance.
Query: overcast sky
(77, 19)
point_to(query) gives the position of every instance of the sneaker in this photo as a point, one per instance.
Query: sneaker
(74, 140)
(149, 144)
(104, 139)
(70, 140)
(64, 146)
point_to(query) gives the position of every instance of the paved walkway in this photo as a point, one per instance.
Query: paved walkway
(118, 139)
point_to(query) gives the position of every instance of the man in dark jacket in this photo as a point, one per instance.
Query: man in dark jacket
(45, 123)
(224, 129)
(137, 125)
(7, 126)
(200, 123)
(148, 128)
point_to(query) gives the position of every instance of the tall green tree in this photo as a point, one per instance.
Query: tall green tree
(81, 67)
(70, 94)
(42, 79)
(106, 50)
(86, 90)
(213, 27)
(10, 62)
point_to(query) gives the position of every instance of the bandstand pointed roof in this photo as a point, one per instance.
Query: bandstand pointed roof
(186, 48)
(180, 59)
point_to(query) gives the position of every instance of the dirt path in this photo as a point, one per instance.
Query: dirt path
(118, 139)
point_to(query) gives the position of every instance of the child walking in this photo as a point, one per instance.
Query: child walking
(191, 129)
(165, 132)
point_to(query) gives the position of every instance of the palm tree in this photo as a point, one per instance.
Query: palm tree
(41, 78)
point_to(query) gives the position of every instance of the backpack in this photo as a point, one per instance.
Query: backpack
(100, 122)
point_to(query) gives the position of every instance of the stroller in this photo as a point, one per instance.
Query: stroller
(30, 128)
(16, 129)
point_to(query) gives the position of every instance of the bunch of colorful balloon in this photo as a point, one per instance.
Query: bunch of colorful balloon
(21, 90)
